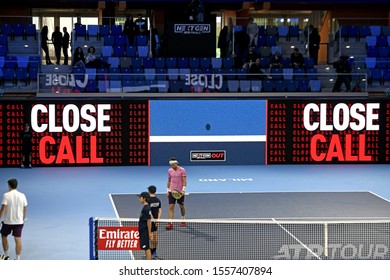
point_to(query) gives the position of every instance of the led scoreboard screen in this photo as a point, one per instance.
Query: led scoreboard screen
(76, 133)
(328, 131)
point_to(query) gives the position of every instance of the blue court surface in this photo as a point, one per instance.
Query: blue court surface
(61, 200)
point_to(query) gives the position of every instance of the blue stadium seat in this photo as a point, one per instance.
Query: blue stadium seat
(291, 85)
(182, 62)
(352, 31)
(371, 41)
(125, 62)
(376, 77)
(216, 62)
(383, 51)
(126, 74)
(233, 85)
(6, 29)
(91, 72)
(288, 73)
(276, 73)
(242, 73)
(275, 49)
(184, 72)
(262, 31)
(256, 85)
(294, 31)
(315, 85)
(18, 29)
(205, 62)
(116, 30)
(381, 41)
(375, 30)
(268, 85)
(128, 86)
(109, 40)
(386, 30)
(141, 40)
(381, 62)
(161, 74)
(261, 40)
(107, 51)
(10, 61)
(230, 74)
(138, 74)
(22, 61)
(227, 62)
(30, 30)
(80, 31)
(172, 62)
(245, 85)
(9, 75)
(265, 51)
(142, 51)
(34, 61)
(173, 73)
(21, 75)
(283, 31)
(114, 61)
(299, 74)
(308, 62)
(3, 50)
(93, 30)
(91, 86)
(303, 86)
(160, 62)
(150, 74)
(103, 86)
(271, 41)
(104, 30)
(3, 40)
(136, 62)
(264, 62)
(370, 62)
(119, 51)
(194, 62)
(364, 31)
(174, 86)
(2, 61)
(131, 51)
(32, 74)
(280, 86)
(386, 77)
(120, 40)
(148, 62)
(372, 51)
(163, 86)
(311, 74)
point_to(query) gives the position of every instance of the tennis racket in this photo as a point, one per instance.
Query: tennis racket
(176, 194)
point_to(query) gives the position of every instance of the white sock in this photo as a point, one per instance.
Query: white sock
(6, 253)
(18, 257)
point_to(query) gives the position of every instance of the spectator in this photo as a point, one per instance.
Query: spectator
(65, 45)
(56, 38)
(91, 61)
(252, 30)
(45, 48)
(129, 29)
(314, 45)
(276, 60)
(140, 25)
(78, 58)
(250, 58)
(256, 69)
(343, 69)
(296, 59)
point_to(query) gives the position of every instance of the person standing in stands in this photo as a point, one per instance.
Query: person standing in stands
(129, 29)
(56, 38)
(314, 45)
(45, 48)
(252, 30)
(65, 45)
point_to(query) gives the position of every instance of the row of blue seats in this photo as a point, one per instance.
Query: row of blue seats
(20, 61)
(381, 76)
(354, 31)
(18, 29)
(183, 86)
(13, 76)
(184, 73)
(378, 41)
(273, 30)
(122, 40)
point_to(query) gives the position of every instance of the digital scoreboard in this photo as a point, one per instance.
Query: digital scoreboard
(75, 133)
(328, 131)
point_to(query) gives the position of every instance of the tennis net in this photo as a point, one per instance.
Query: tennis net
(268, 239)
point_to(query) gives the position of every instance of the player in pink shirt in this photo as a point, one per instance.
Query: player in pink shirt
(177, 181)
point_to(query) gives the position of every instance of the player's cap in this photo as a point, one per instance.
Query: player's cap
(152, 189)
(144, 195)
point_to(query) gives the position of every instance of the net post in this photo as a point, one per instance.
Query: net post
(91, 239)
(326, 247)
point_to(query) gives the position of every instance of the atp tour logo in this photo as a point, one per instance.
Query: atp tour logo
(118, 238)
(350, 122)
(89, 118)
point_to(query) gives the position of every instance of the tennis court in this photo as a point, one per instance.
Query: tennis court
(61, 200)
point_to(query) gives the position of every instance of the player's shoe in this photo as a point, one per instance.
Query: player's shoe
(22, 166)
(169, 226)
(29, 166)
(182, 224)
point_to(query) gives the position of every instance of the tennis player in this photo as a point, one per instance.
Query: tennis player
(155, 206)
(14, 208)
(145, 225)
(177, 182)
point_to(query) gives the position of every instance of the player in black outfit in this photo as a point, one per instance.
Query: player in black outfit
(145, 225)
(26, 145)
(155, 206)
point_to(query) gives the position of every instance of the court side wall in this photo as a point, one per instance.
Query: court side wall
(236, 127)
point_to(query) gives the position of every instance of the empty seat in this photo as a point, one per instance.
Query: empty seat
(245, 85)
(114, 61)
(268, 85)
(142, 51)
(280, 86)
(31, 30)
(205, 62)
(124, 62)
(80, 31)
(150, 74)
(315, 85)
(227, 62)
(256, 85)
(131, 51)
(136, 62)
(109, 40)
(291, 85)
(119, 51)
(173, 73)
(303, 86)
(116, 30)
(172, 62)
(370, 62)
(141, 40)
(148, 62)
(194, 62)
(233, 85)
(182, 62)
(159, 62)
(104, 30)
(93, 30)
(106, 51)
(283, 31)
